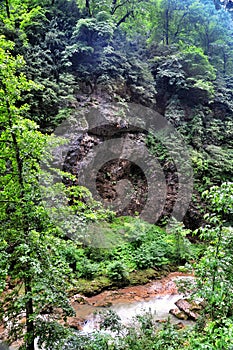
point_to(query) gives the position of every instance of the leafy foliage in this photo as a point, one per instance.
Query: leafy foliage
(214, 270)
(116, 271)
(28, 240)
(161, 53)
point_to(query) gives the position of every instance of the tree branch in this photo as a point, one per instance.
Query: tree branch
(115, 6)
(123, 19)
(178, 26)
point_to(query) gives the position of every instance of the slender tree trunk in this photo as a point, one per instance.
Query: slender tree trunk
(215, 270)
(167, 27)
(27, 280)
(88, 7)
(113, 6)
(29, 313)
(8, 9)
(207, 43)
(123, 19)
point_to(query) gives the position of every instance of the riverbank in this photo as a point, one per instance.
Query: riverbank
(99, 284)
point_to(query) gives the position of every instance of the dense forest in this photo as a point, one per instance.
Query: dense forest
(116, 165)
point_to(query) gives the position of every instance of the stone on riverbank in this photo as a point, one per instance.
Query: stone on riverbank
(179, 314)
(188, 308)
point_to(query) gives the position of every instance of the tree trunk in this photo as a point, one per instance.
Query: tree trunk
(167, 27)
(29, 313)
(123, 19)
(88, 7)
(27, 280)
(8, 9)
(113, 7)
(215, 271)
(207, 43)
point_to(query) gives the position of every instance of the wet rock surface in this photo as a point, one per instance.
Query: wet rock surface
(186, 309)
(162, 292)
(179, 314)
(76, 323)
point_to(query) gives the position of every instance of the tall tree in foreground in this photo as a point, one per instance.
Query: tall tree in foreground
(214, 270)
(30, 264)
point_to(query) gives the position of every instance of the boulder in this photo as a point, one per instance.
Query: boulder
(187, 308)
(179, 325)
(179, 314)
(195, 306)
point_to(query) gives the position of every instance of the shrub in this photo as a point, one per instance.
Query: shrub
(152, 254)
(86, 269)
(72, 254)
(117, 272)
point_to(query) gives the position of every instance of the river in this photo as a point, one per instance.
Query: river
(158, 297)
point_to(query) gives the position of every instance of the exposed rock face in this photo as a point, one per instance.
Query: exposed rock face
(206, 125)
(120, 175)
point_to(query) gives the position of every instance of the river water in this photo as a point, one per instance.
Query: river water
(159, 307)
(157, 297)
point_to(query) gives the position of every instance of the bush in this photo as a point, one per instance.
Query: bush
(117, 272)
(86, 269)
(72, 254)
(196, 64)
(152, 254)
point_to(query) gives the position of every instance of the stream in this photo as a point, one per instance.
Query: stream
(158, 306)
(158, 297)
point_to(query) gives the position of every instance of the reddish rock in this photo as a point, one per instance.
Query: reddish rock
(161, 321)
(186, 307)
(104, 304)
(75, 323)
(78, 298)
(136, 298)
(179, 314)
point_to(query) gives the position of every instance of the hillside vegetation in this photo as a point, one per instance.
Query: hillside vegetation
(60, 59)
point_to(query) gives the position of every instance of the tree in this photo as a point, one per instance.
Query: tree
(214, 271)
(28, 243)
(172, 20)
(120, 10)
(190, 23)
